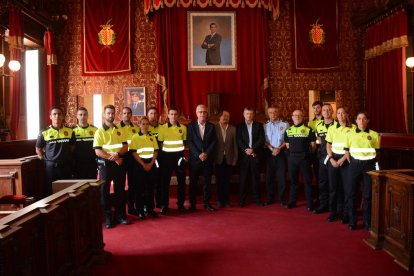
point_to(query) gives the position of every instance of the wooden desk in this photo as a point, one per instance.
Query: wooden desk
(59, 235)
(28, 177)
(392, 218)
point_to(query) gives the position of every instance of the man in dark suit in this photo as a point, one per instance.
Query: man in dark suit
(201, 138)
(250, 140)
(212, 44)
(225, 157)
(137, 103)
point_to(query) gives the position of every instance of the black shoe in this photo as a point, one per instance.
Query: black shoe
(220, 205)
(164, 210)
(141, 215)
(108, 223)
(344, 220)
(192, 208)
(291, 205)
(241, 204)
(367, 226)
(310, 209)
(259, 203)
(352, 226)
(133, 212)
(123, 221)
(332, 218)
(227, 205)
(209, 208)
(269, 202)
(181, 209)
(153, 214)
(320, 210)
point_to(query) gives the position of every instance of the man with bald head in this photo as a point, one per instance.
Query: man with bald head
(300, 142)
(201, 138)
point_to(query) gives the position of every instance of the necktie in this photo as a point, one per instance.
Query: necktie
(202, 132)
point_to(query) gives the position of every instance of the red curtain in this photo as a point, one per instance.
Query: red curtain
(315, 39)
(16, 34)
(385, 44)
(50, 96)
(247, 86)
(106, 37)
(270, 5)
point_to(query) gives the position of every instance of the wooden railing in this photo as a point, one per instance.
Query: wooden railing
(59, 235)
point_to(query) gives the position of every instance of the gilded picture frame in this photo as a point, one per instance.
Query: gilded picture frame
(212, 41)
(135, 98)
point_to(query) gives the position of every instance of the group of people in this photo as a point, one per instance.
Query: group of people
(147, 154)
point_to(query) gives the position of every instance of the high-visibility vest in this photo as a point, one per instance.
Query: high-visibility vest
(336, 136)
(362, 145)
(172, 137)
(110, 139)
(144, 144)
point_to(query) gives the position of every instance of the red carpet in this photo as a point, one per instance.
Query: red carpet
(253, 240)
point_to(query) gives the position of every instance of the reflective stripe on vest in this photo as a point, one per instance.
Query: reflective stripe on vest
(338, 148)
(146, 152)
(362, 153)
(112, 147)
(173, 146)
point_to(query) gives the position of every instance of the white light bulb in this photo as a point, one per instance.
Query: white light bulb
(410, 62)
(14, 65)
(2, 60)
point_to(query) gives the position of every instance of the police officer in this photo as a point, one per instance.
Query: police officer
(153, 128)
(317, 113)
(338, 166)
(323, 181)
(55, 145)
(110, 144)
(275, 130)
(172, 136)
(361, 148)
(84, 163)
(129, 129)
(144, 149)
(300, 142)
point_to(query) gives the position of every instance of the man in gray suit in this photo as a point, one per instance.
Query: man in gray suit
(212, 44)
(226, 157)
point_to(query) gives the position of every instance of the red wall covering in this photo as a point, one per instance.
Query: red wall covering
(287, 90)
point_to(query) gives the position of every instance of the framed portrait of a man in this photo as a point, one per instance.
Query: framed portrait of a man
(212, 41)
(135, 99)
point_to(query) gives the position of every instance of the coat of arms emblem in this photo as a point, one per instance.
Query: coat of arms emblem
(107, 36)
(317, 34)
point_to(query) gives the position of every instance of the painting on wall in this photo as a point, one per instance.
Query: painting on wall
(212, 41)
(135, 99)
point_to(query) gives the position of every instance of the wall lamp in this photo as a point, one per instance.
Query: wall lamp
(14, 65)
(410, 64)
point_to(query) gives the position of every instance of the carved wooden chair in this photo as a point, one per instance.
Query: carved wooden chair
(12, 202)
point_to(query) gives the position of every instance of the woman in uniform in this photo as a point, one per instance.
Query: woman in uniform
(361, 148)
(338, 166)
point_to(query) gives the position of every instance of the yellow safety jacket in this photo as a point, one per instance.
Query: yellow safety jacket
(144, 144)
(362, 145)
(336, 136)
(172, 137)
(110, 139)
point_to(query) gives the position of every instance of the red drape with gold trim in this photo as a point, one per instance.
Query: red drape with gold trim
(315, 35)
(16, 35)
(247, 86)
(270, 5)
(106, 37)
(385, 44)
(50, 96)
